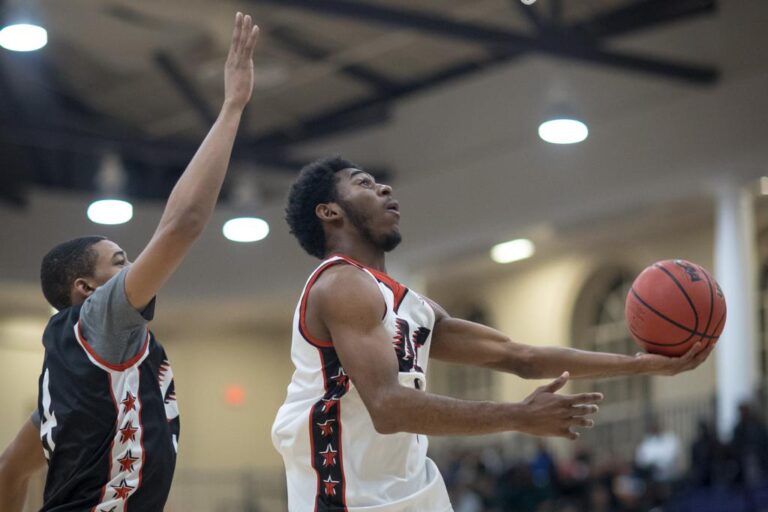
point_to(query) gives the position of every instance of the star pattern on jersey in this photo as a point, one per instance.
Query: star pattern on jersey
(330, 486)
(129, 402)
(128, 432)
(126, 463)
(123, 490)
(326, 429)
(329, 456)
(340, 378)
(328, 403)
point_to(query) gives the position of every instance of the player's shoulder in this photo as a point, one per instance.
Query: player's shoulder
(344, 277)
(345, 285)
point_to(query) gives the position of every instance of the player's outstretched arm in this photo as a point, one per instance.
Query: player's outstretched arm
(194, 197)
(350, 305)
(460, 341)
(20, 460)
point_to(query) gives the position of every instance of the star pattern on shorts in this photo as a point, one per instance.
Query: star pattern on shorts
(123, 490)
(128, 432)
(330, 486)
(326, 429)
(328, 403)
(329, 456)
(126, 463)
(129, 402)
(340, 378)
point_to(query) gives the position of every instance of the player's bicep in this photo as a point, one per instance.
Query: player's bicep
(350, 305)
(460, 341)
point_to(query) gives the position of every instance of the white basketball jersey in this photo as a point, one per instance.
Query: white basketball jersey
(334, 458)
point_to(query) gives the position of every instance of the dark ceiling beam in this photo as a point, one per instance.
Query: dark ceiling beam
(300, 46)
(372, 110)
(568, 45)
(532, 14)
(642, 15)
(556, 12)
(185, 87)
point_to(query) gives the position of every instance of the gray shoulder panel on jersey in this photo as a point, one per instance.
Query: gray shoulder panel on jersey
(114, 329)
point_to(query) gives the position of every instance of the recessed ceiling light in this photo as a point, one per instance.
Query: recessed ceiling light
(514, 250)
(110, 211)
(245, 229)
(23, 37)
(563, 131)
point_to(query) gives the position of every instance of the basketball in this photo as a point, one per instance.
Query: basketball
(672, 305)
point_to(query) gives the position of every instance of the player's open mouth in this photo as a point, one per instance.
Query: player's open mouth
(394, 208)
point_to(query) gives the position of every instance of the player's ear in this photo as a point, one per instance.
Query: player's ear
(84, 287)
(328, 212)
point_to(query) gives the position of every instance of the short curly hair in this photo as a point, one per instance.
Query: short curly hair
(315, 185)
(63, 265)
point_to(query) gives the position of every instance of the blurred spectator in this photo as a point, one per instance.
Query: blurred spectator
(658, 454)
(706, 456)
(749, 447)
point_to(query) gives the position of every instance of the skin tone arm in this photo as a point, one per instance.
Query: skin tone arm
(460, 341)
(193, 199)
(20, 460)
(345, 305)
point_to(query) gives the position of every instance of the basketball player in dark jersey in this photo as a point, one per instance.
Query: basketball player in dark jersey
(107, 421)
(339, 214)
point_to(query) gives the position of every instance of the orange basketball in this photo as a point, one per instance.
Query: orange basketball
(673, 304)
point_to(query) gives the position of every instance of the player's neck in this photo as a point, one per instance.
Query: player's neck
(366, 254)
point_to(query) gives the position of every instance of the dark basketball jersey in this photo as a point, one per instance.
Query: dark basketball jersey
(109, 431)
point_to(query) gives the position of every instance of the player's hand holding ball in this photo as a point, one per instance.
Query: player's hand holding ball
(676, 312)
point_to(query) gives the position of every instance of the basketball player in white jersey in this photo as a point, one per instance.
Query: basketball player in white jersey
(352, 430)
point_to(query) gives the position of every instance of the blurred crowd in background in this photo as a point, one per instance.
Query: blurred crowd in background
(713, 475)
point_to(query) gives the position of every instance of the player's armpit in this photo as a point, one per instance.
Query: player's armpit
(20, 460)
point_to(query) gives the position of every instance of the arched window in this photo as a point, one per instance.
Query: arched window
(598, 325)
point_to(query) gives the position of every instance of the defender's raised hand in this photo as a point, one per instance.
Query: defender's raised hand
(238, 71)
(550, 414)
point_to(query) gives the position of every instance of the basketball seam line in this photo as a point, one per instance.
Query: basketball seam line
(685, 294)
(680, 326)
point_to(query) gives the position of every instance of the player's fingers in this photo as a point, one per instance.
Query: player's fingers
(584, 410)
(695, 349)
(250, 44)
(582, 422)
(586, 398)
(245, 32)
(236, 32)
(556, 384)
(572, 435)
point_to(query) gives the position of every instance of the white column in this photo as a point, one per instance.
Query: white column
(736, 271)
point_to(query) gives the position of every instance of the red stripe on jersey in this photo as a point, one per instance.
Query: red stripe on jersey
(303, 309)
(116, 367)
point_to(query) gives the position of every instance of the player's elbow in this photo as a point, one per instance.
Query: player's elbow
(188, 224)
(383, 414)
(521, 360)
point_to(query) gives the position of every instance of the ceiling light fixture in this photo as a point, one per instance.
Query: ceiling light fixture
(23, 37)
(514, 250)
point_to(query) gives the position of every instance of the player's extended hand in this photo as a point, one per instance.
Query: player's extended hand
(238, 71)
(550, 414)
(655, 364)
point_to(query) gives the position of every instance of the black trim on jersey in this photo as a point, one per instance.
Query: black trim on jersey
(325, 431)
